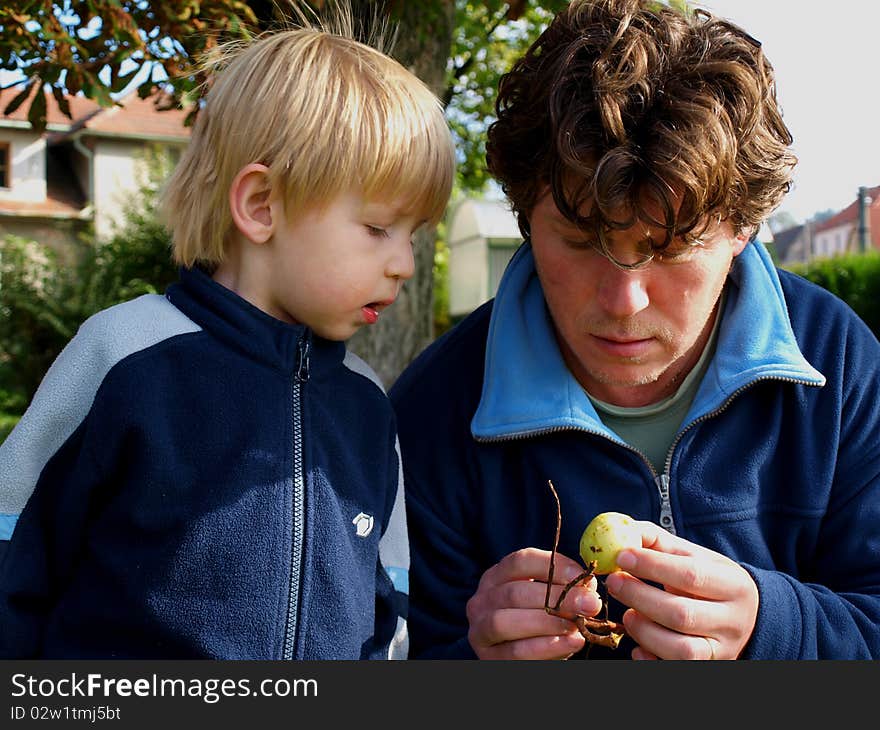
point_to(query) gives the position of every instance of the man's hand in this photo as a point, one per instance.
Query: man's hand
(707, 610)
(506, 614)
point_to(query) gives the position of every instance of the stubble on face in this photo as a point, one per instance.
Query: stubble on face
(658, 377)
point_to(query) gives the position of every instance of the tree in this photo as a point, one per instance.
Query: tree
(99, 47)
(781, 220)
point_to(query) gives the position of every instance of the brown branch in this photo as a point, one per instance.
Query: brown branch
(602, 632)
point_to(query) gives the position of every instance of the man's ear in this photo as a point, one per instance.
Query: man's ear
(739, 242)
(250, 203)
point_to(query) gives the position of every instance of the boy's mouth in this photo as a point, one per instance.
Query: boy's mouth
(372, 310)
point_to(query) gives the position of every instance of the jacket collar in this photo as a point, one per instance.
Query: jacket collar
(528, 389)
(246, 328)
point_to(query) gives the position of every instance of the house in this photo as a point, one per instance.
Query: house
(840, 233)
(832, 236)
(80, 171)
(482, 237)
(793, 245)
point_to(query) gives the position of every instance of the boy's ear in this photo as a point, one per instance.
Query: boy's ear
(250, 202)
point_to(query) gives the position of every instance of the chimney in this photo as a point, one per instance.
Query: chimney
(864, 232)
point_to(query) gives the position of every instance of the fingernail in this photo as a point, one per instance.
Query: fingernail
(585, 604)
(614, 582)
(626, 560)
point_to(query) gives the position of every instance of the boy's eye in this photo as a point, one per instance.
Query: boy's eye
(376, 231)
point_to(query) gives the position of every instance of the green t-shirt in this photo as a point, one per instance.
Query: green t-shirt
(652, 429)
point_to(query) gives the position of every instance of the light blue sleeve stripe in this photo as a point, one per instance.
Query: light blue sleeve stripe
(68, 388)
(7, 525)
(400, 578)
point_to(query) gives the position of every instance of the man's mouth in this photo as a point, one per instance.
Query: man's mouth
(626, 346)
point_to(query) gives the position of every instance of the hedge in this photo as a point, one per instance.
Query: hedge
(855, 278)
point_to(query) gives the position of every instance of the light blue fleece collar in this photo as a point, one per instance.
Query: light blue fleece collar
(527, 387)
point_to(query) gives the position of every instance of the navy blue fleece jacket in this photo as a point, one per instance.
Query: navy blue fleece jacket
(777, 464)
(196, 479)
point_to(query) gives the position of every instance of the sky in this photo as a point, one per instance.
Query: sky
(826, 60)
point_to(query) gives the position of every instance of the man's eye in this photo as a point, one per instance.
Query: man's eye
(580, 243)
(676, 253)
(376, 231)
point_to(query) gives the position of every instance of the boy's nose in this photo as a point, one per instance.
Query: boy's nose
(402, 264)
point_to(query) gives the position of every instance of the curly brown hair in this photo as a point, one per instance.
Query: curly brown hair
(625, 106)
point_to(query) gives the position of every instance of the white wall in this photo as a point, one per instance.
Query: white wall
(118, 174)
(468, 276)
(28, 156)
(832, 242)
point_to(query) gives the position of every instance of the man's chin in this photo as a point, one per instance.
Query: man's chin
(626, 388)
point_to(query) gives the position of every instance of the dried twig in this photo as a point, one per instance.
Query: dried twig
(603, 632)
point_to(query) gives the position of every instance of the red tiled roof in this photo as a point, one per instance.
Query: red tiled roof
(136, 117)
(139, 117)
(80, 108)
(850, 214)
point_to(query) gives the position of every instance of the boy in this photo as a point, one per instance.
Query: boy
(209, 474)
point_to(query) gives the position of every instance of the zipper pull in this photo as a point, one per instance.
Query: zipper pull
(302, 359)
(666, 521)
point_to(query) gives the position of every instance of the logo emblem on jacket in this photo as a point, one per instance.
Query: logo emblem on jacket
(363, 524)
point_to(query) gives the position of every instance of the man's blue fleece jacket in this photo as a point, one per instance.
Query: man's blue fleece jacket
(777, 464)
(196, 479)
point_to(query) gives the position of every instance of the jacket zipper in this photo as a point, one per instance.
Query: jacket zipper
(661, 481)
(300, 378)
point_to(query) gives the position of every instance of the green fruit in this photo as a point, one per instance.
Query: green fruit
(606, 535)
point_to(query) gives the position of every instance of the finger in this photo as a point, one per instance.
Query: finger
(531, 564)
(640, 654)
(580, 599)
(662, 643)
(513, 624)
(682, 614)
(539, 647)
(655, 537)
(710, 576)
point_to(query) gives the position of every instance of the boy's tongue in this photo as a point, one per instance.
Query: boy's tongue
(370, 315)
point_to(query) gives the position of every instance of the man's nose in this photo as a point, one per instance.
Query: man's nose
(623, 293)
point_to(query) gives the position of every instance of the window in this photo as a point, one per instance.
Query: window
(5, 165)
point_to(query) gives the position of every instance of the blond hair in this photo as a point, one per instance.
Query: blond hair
(326, 114)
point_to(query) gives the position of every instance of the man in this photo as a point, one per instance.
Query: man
(644, 355)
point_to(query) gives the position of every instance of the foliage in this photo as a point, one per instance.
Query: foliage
(855, 278)
(7, 423)
(484, 46)
(35, 318)
(98, 46)
(781, 220)
(441, 282)
(43, 302)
